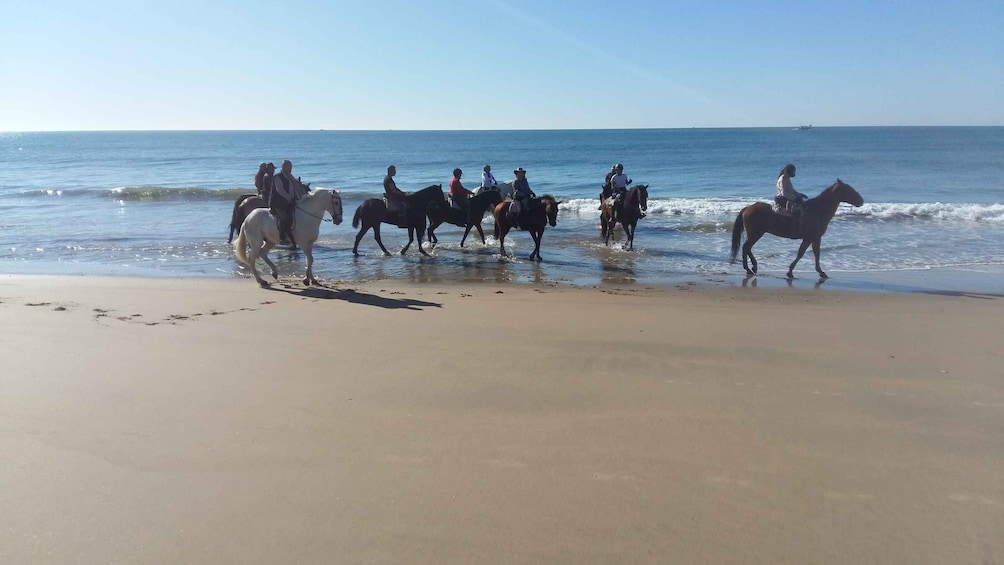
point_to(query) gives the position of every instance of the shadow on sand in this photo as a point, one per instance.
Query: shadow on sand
(349, 295)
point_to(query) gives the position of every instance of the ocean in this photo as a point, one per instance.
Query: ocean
(158, 204)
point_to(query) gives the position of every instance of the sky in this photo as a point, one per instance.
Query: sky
(498, 64)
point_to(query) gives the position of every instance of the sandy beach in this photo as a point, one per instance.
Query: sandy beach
(210, 421)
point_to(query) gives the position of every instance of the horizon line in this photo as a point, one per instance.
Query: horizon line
(811, 126)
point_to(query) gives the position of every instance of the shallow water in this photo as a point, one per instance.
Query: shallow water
(158, 203)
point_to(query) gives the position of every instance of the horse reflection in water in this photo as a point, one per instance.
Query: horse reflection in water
(542, 211)
(760, 218)
(259, 232)
(469, 217)
(373, 212)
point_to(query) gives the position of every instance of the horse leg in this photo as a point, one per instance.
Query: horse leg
(815, 251)
(411, 238)
(801, 251)
(265, 248)
(359, 237)
(536, 244)
(256, 249)
(481, 232)
(751, 239)
(502, 231)
(308, 249)
(378, 238)
(467, 231)
(629, 234)
(418, 233)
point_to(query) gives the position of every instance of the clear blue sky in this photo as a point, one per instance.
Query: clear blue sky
(498, 64)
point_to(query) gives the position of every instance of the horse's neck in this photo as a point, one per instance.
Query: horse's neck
(315, 204)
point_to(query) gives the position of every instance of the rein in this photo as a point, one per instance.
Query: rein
(321, 217)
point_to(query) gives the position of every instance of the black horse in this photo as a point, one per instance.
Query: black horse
(472, 217)
(374, 211)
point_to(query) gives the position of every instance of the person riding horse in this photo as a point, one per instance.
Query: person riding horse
(522, 198)
(397, 205)
(286, 190)
(605, 190)
(458, 194)
(618, 186)
(488, 181)
(788, 201)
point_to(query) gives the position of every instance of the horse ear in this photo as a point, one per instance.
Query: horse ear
(839, 181)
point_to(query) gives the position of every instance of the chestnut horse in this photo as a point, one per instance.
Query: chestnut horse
(477, 205)
(542, 211)
(634, 202)
(760, 218)
(373, 212)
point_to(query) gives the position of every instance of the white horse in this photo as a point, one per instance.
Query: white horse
(260, 232)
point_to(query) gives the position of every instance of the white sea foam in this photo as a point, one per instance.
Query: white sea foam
(719, 207)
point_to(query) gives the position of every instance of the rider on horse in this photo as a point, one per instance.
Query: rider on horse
(458, 194)
(488, 181)
(788, 201)
(286, 190)
(522, 197)
(397, 205)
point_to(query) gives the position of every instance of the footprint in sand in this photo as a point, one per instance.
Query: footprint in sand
(724, 480)
(38, 303)
(972, 498)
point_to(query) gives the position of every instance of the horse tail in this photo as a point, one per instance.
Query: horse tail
(235, 223)
(737, 236)
(355, 218)
(241, 247)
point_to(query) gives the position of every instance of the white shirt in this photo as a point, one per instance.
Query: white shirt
(619, 181)
(487, 180)
(785, 189)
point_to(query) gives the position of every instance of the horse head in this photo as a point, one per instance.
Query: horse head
(336, 207)
(844, 192)
(550, 209)
(642, 196)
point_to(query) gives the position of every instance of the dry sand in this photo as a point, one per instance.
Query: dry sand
(209, 421)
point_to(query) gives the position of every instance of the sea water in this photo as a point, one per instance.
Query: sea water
(159, 203)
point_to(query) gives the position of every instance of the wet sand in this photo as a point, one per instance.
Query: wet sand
(209, 421)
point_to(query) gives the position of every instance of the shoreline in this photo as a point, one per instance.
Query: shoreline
(206, 421)
(973, 279)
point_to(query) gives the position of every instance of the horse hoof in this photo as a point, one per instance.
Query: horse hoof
(790, 276)
(306, 282)
(264, 284)
(823, 275)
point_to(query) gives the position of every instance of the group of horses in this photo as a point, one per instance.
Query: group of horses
(427, 209)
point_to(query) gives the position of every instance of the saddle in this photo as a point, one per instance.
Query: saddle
(396, 212)
(786, 208)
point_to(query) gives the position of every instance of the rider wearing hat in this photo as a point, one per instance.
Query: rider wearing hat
(522, 196)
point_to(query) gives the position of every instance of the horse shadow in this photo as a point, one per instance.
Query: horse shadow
(356, 297)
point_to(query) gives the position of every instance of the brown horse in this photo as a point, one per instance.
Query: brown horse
(373, 212)
(634, 202)
(477, 205)
(760, 218)
(245, 204)
(542, 211)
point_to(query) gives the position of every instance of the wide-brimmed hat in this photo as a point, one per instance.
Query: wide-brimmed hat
(519, 170)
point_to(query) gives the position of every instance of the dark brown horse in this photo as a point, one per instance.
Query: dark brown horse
(634, 202)
(543, 211)
(760, 218)
(373, 212)
(245, 204)
(477, 205)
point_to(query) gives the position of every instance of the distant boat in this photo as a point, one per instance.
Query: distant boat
(805, 127)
